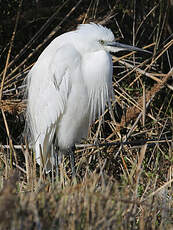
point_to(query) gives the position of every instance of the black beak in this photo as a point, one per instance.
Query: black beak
(126, 47)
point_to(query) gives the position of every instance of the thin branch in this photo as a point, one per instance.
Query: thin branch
(10, 48)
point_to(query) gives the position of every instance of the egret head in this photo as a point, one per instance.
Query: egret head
(96, 37)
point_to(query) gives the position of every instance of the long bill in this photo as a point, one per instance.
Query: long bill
(121, 46)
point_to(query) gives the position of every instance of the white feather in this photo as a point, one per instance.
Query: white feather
(68, 87)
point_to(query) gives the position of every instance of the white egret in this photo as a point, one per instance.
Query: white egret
(69, 86)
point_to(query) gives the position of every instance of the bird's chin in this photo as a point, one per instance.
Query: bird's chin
(112, 49)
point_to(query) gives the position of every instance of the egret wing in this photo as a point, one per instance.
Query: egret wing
(49, 89)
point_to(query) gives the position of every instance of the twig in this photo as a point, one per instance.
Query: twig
(114, 143)
(10, 48)
(54, 31)
(133, 111)
(158, 190)
(8, 133)
(36, 36)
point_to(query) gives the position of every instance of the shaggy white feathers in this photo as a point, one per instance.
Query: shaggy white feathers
(68, 87)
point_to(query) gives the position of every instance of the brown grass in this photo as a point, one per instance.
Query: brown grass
(124, 181)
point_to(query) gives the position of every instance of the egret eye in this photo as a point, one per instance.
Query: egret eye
(101, 42)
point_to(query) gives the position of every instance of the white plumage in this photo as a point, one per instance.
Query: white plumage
(69, 86)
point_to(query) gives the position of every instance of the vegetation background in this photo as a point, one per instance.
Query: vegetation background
(125, 180)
